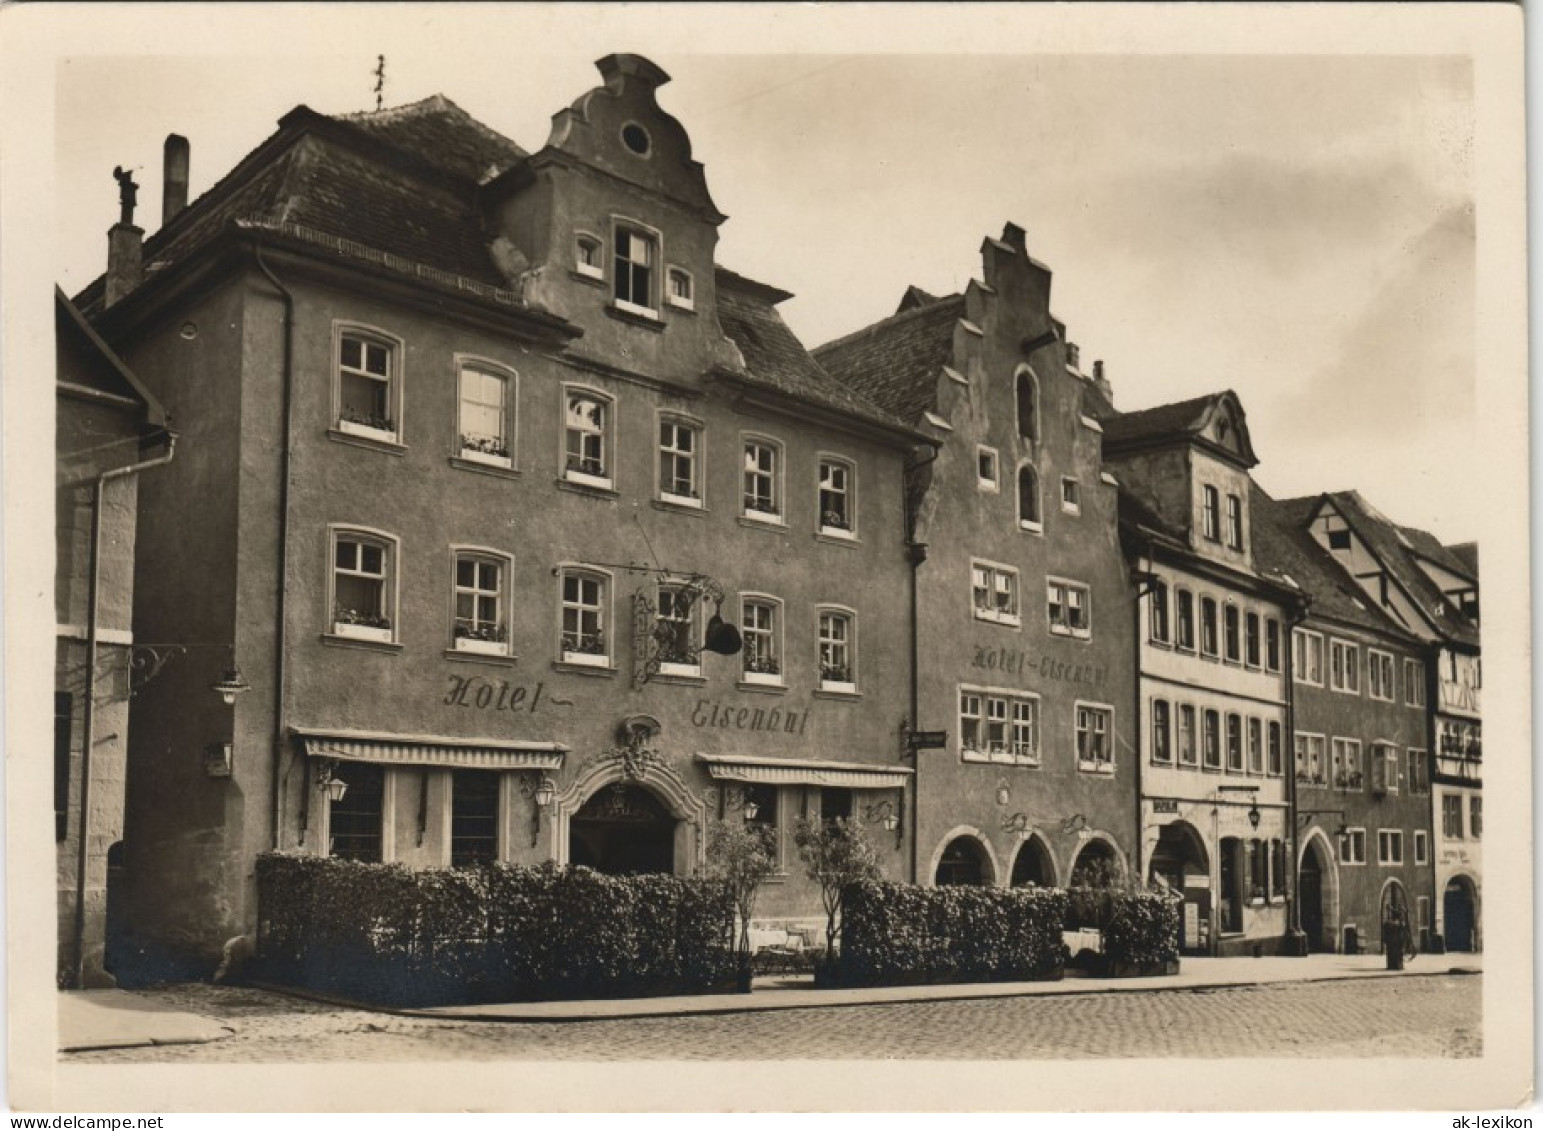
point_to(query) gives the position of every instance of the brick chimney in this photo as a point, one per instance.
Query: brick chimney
(174, 183)
(125, 249)
(1101, 383)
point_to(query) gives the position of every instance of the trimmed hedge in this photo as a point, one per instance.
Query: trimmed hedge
(902, 934)
(1143, 930)
(387, 934)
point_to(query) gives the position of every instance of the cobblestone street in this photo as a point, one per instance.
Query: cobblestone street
(1429, 1016)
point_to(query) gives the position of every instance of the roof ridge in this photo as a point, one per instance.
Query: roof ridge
(393, 113)
(892, 320)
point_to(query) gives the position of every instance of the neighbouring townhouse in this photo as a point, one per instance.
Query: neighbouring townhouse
(1023, 630)
(1216, 822)
(1433, 593)
(1360, 752)
(109, 430)
(488, 468)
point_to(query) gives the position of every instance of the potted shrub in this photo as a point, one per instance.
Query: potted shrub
(740, 855)
(835, 854)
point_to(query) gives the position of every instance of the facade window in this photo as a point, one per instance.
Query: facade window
(1233, 874)
(1421, 847)
(1344, 667)
(765, 798)
(838, 511)
(1186, 735)
(1162, 748)
(632, 281)
(1028, 498)
(1390, 847)
(1308, 659)
(680, 469)
(586, 425)
(838, 656)
(1414, 683)
(1310, 761)
(473, 818)
(1258, 869)
(1231, 636)
(835, 804)
(1068, 607)
(676, 632)
(1379, 675)
(998, 727)
(1095, 738)
(1234, 743)
(1452, 816)
(1211, 740)
(588, 257)
(763, 481)
(986, 469)
(363, 586)
(1390, 759)
(1211, 516)
(486, 417)
(1028, 408)
(1347, 763)
(1184, 602)
(1419, 773)
(355, 823)
(1157, 612)
(480, 622)
(1208, 626)
(1352, 846)
(1071, 495)
(1255, 746)
(681, 292)
(1276, 767)
(762, 653)
(994, 590)
(1278, 870)
(366, 393)
(1251, 640)
(1234, 522)
(584, 638)
(1271, 645)
(1476, 817)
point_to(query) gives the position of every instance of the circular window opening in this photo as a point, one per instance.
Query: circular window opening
(635, 137)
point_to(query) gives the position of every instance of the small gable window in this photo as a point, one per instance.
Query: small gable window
(1028, 498)
(633, 280)
(680, 292)
(1028, 408)
(589, 257)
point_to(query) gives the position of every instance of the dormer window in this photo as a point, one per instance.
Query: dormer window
(633, 280)
(589, 256)
(680, 290)
(1212, 515)
(1234, 522)
(1339, 539)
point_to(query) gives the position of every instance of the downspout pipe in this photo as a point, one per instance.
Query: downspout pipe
(88, 709)
(280, 583)
(1299, 942)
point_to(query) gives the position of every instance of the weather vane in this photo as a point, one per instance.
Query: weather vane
(380, 78)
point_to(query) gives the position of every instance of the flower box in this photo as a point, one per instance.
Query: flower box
(586, 659)
(668, 668)
(767, 679)
(361, 632)
(368, 431)
(584, 478)
(480, 647)
(472, 455)
(837, 532)
(839, 686)
(680, 500)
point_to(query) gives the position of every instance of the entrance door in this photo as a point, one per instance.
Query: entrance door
(1457, 911)
(1310, 895)
(622, 830)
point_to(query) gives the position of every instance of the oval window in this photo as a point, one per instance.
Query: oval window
(635, 137)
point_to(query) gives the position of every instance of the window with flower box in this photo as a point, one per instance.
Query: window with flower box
(368, 388)
(678, 631)
(998, 726)
(486, 416)
(760, 628)
(1095, 738)
(763, 480)
(363, 585)
(1346, 754)
(680, 468)
(994, 592)
(1387, 754)
(587, 438)
(481, 624)
(838, 651)
(837, 502)
(585, 639)
(1068, 608)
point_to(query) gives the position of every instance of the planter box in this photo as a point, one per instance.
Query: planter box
(766, 679)
(481, 647)
(362, 632)
(839, 688)
(470, 455)
(689, 670)
(367, 431)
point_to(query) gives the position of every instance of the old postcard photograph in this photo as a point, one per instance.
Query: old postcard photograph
(781, 558)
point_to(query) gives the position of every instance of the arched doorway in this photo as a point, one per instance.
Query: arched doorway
(1033, 865)
(1394, 900)
(1180, 862)
(622, 829)
(1314, 877)
(964, 864)
(1459, 914)
(1097, 866)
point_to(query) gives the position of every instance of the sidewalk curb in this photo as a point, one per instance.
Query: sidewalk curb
(985, 992)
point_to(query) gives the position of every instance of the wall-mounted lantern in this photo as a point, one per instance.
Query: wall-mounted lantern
(538, 788)
(326, 782)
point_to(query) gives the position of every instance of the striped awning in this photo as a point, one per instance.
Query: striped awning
(789, 771)
(431, 750)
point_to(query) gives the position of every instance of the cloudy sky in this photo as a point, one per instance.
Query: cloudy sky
(1300, 229)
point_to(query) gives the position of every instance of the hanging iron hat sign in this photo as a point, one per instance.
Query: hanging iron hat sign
(721, 636)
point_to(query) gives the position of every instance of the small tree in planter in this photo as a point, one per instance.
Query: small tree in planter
(741, 855)
(835, 853)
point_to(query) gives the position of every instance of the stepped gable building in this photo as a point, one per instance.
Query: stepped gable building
(486, 463)
(1023, 623)
(1433, 593)
(109, 430)
(1361, 751)
(1215, 809)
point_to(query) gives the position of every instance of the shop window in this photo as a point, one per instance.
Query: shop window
(760, 628)
(363, 586)
(587, 438)
(837, 504)
(994, 593)
(367, 386)
(1258, 869)
(473, 818)
(356, 822)
(763, 480)
(838, 651)
(584, 614)
(767, 802)
(835, 804)
(1278, 869)
(481, 623)
(1233, 877)
(486, 417)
